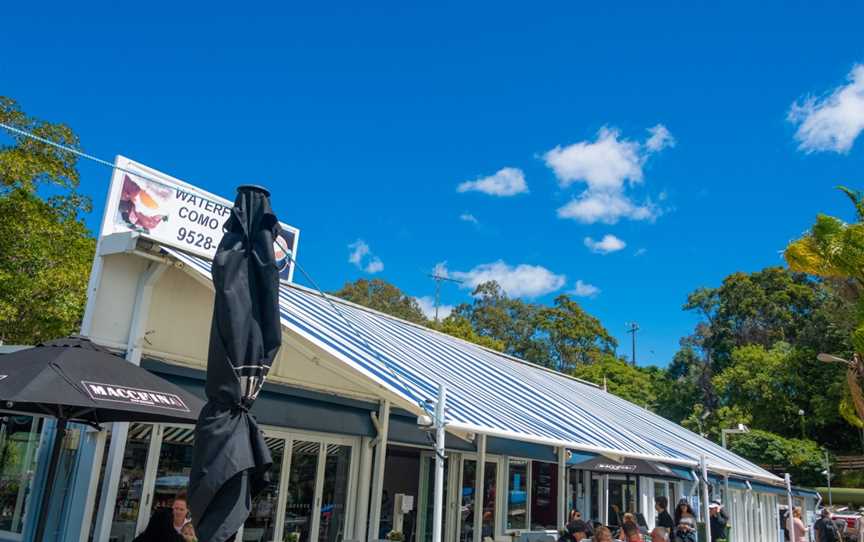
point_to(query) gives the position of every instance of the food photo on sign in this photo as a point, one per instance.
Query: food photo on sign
(174, 213)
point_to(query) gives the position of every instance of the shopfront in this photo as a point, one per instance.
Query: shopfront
(339, 413)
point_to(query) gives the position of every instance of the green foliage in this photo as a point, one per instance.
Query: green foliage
(622, 379)
(802, 458)
(458, 326)
(45, 249)
(562, 336)
(384, 297)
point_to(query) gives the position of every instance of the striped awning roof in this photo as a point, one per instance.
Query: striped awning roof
(488, 392)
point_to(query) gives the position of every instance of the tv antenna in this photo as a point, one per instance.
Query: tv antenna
(438, 278)
(633, 328)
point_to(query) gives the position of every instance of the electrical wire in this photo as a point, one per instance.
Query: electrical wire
(422, 404)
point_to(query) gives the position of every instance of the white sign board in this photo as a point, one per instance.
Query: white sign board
(177, 214)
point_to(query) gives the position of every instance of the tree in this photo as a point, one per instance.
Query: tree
(803, 459)
(574, 337)
(383, 297)
(622, 379)
(45, 248)
(460, 327)
(832, 248)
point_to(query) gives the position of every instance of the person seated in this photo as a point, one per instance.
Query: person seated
(166, 524)
(630, 533)
(603, 534)
(576, 530)
(660, 534)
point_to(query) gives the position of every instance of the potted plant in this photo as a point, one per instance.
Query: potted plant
(396, 536)
(292, 537)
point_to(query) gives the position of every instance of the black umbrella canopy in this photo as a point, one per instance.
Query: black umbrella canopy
(231, 458)
(77, 380)
(628, 465)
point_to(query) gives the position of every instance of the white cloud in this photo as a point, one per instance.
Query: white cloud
(608, 166)
(604, 164)
(833, 122)
(440, 270)
(641, 252)
(427, 305)
(606, 207)
(583, 289)
(468, 217)
(375, 265)
(522, 280)
(508, 181)
(360, 252)
(660, 139)
(608, 244)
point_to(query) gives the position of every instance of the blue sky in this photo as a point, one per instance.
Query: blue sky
(502, 138)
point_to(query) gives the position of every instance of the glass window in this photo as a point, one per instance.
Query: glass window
(175, 464)
(596, 496)
(490, 486)
(517, 494)
(622, 499)
(544, 495)
(575, 492)
(19, 440)
(334, 498)
(301, 490)
(466, 510)
(260, 525)
(131, 483)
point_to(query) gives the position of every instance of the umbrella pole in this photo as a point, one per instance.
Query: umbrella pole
(49, 480)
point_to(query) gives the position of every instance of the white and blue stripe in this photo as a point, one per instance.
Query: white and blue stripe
(489, 392)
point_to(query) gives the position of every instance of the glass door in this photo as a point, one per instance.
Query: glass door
(426, 505)
(317, 495)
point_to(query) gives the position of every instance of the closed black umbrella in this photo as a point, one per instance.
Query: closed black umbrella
(74, 380)
(231, 458)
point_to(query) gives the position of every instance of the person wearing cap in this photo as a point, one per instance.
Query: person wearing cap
(719, 521)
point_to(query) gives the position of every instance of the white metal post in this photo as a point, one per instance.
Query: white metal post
(828, 476)
(789, 518)
(364, 485)
(99, 442)
(479, 494)
(120, 430)
(438, 503)
(562, 485)
(706, 516)
(378, 471)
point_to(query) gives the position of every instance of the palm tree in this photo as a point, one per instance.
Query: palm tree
(835, 249)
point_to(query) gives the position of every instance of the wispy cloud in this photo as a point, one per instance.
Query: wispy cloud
(834, 121)
(608, 166)
(468, 217)
(609, 243)
(360, 254)
(660, 139)
(521, 280)
(640, 252)
(508, 181)
(583, 289)
(427, 305)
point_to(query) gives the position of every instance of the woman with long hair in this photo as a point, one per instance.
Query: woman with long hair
(685, 523)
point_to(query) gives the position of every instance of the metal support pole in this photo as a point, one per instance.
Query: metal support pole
(364, 485)
(706, 515)
(378, 472)
(828, 476)
(120, 430)
(789, 518)
(438, 504)
(479, 494)
(562, 485)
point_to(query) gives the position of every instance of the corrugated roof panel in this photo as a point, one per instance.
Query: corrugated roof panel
(489, 392)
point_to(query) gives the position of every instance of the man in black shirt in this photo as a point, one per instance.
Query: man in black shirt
(661, 504)
(825, 529)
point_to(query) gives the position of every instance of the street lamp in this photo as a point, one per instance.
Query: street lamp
(740, 429)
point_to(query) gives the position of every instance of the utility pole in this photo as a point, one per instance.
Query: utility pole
(634, 327)
(438, 280)
(828, 476)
